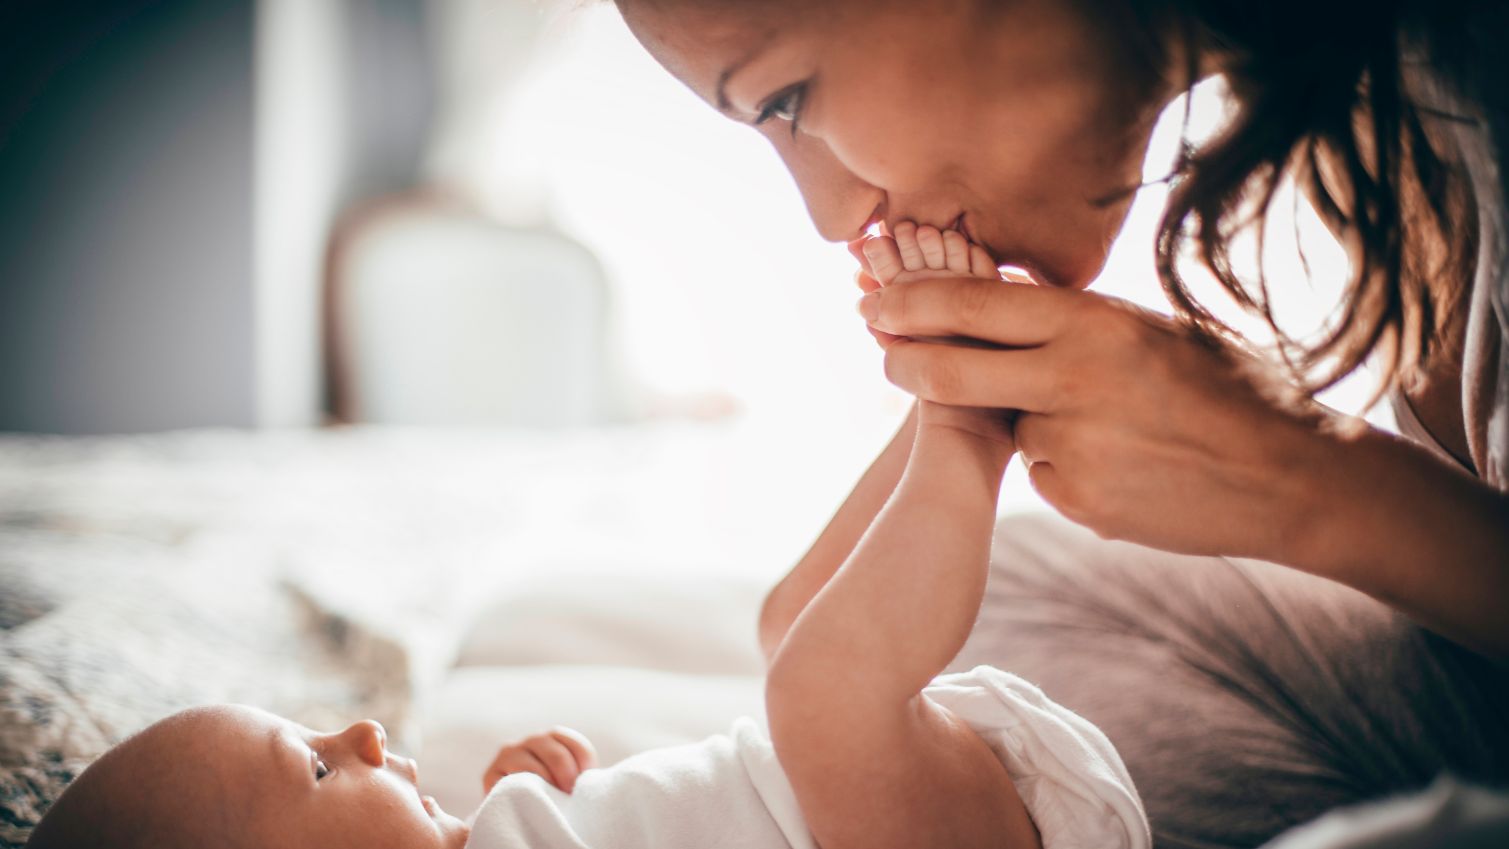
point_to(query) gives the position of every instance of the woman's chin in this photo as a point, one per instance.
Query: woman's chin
(1059, 276)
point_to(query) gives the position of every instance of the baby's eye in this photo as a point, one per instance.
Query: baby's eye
(320, 770)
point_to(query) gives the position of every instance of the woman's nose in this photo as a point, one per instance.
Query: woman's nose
(368, 740)
(839, 202)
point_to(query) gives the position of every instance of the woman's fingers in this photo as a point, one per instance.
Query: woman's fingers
(1054, 489)
(881, 337)
(1021, 379)
(1032, 438)
(1004, 313)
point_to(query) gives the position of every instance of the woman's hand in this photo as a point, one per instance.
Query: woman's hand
(1131, 426)
(559, 756)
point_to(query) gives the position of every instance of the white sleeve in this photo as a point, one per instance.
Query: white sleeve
(1068, 774)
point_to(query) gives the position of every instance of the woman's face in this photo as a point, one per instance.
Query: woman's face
(1015, 115)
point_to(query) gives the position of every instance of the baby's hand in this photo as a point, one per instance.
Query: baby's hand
(558, 756)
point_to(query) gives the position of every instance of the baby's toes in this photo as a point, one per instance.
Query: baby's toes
(885, 259)
(931, 243)
(956, 251)
(981, 264)
(906, 244)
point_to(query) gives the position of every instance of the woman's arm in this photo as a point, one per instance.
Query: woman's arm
(873, 762)
(790, 596)
(1399, 524)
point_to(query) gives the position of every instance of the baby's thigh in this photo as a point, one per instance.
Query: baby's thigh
(1244, 697)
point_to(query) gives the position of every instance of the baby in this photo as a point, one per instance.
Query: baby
(868, 746)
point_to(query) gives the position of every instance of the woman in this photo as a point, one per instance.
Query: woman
(1360, 652)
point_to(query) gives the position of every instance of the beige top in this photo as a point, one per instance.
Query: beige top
(1481, 95)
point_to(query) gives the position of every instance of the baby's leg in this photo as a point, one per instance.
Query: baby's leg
(912, 253)
(873, 762)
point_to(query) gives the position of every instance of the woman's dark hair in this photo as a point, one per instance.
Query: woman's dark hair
(1357, 102)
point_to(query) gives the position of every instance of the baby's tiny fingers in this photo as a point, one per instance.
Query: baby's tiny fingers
(556, 758)
(980, 263)
(581, 748)
(512, 761)
(956, 251)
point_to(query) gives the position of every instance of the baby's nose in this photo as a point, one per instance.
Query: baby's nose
(369, 739)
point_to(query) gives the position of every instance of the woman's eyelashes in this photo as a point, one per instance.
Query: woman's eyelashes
(785, 105)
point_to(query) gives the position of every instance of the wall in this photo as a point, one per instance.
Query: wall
(344, 97)
(125, 215)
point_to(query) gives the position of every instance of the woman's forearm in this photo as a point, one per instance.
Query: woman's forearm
(786, 601)
(1430, 540)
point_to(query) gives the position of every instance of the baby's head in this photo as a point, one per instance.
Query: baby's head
(237, 777)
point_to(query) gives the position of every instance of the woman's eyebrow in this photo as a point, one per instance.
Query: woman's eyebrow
(720, 93)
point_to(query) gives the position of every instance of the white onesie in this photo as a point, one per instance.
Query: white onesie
(729, 791)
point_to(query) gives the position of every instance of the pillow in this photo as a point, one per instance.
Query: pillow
(622, 710)
(694, 622)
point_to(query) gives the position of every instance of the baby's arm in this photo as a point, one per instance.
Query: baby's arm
(873, 762)
(837, 541)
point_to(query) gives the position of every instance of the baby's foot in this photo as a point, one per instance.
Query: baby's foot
(917, 253)
(914, 253)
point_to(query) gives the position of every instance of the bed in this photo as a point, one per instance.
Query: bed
(461, 586)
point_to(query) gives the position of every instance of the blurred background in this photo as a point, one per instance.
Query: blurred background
(461, 212)
(398, 357)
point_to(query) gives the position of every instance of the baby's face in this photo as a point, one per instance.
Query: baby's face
(325, 791)
(254, 779)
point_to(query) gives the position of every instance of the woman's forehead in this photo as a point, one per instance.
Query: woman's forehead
(693, 40)
(699, 40)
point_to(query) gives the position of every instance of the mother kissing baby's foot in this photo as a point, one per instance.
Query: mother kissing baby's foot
(915, 253)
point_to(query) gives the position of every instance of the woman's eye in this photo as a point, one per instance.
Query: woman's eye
(787, 106)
